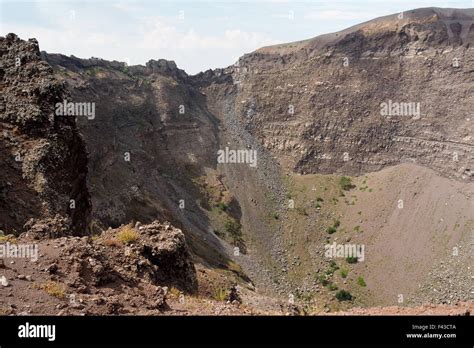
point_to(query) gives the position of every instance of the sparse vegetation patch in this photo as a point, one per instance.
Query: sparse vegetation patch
(343, 295)
(346, 183)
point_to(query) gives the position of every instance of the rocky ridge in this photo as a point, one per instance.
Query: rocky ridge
(316, 104)
(44, 162)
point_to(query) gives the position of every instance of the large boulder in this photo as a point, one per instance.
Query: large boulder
(156, 254)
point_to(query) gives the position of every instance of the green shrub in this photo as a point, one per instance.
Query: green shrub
(346, 183)
(331, 230)
(235, 230)
(319, 199)
(337, 223)
(323, 280)
(344, 272)
(343, 295)
(333, 265)
(351, 259)
(329, 272)
(361, 282)
(233, 227)
(222, 206)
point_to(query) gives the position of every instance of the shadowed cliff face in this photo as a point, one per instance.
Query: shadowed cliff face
(150, 144)
(43, 158)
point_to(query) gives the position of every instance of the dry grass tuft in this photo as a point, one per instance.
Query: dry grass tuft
(55, 289)
(127, 235)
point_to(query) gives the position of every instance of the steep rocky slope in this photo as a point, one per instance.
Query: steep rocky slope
(316, 104)
(155, 115)
(151, 146)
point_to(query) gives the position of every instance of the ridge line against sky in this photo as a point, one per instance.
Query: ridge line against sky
(197, 35)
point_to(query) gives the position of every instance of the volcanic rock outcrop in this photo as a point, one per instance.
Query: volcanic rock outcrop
(156, 254)
(43, 158)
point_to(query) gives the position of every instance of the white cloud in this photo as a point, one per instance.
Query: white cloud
(340, 15)
(158, 33)
(127, 6)
(159, 38)
(148, 38)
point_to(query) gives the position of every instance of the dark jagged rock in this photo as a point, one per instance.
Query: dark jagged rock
(43, 158)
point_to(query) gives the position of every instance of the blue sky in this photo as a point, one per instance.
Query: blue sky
(197, 35)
